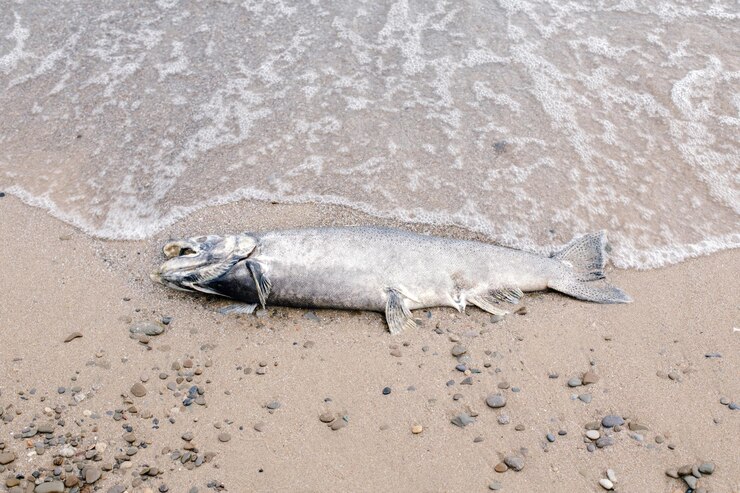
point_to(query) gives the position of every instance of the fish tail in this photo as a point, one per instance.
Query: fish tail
(582, 277)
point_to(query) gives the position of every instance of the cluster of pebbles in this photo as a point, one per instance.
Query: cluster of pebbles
(598, 434)
(691, 475)
(79, 461)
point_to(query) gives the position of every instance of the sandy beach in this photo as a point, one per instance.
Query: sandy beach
(258, 388)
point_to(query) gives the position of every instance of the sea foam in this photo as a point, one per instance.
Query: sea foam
(528, 122)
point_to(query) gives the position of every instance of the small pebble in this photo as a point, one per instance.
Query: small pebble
(604, 442)
(706, 468)
(633, 426)
(7, 458)
(606, 484)
(501, 467)
(72, 336)
(138, 390)
(611, 475)
(146, 328)
(586, 398)
(386, 390)
(458, 350)
(593, 434)
(514, 462)
(590, 377)
(575, 382)
(496, 401)
(611, 421)
(550, 437)
(224, 437)
(495, 485)
(416, 429)
(462, 420)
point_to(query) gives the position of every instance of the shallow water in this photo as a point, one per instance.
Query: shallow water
(527, 121)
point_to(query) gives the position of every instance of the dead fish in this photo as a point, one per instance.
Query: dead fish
(380, 269)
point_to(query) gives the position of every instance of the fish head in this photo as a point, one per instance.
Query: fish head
(194, 262)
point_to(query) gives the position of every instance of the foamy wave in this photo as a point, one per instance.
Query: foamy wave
(526, 122)
(625, 257)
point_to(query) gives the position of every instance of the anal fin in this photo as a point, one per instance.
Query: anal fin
(487, 304)
(261, 281)
(511, 295)
(397, 314)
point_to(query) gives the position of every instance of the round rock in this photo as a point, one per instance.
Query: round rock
(575, 382)
(496, 400)
(514, 462)
(458, 350)
(611, 421)
(7, 458)
(138, 390)
(224, 437)
(146, 328)
(92, 474)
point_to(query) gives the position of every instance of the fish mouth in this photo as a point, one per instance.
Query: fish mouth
(195, 261)
(182, 257)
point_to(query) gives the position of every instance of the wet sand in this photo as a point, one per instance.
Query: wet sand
(57, 281)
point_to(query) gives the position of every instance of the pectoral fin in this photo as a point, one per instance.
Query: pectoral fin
(261, 281)
(397, 314)
(487, 304)
(238, 309)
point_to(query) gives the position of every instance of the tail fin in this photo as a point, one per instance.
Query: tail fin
(584, 259)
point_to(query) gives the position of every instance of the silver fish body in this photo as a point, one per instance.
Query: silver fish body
(380, 269)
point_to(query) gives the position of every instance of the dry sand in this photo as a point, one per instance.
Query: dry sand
(56, 281)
